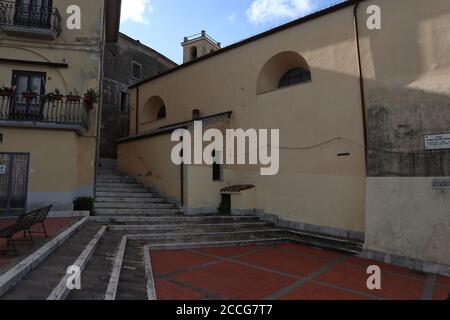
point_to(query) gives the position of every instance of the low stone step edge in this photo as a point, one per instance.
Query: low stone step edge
(12, 277)
(113, 285)
(61, 291)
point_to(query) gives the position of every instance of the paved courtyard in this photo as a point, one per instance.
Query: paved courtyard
(53, 226)
(284, 272)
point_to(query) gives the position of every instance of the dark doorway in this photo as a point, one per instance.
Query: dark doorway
(14, 168)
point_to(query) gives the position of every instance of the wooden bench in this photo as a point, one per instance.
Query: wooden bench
(24, 224)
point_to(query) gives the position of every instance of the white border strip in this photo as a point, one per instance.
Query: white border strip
(151, 291)
(17, 273)
(111, 292)
(61, 291)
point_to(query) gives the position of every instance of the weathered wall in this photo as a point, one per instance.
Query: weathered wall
(149, 160)
(118, 59)
(80, 49)
(53, 164)
(314, 185)
(406, 67)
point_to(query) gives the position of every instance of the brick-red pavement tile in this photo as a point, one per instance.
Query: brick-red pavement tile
(234, 281)
(313, 291)
(227, 252)
(444, 281)
(166, 290)
(313, 251)
(171, 261)
(395, 287)
(284, 261)
(441, 292)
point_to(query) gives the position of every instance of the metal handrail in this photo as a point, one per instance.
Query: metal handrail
(30, 16)
(39, 108)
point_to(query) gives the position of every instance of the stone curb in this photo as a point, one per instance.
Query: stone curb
(17, 273)
(181, 227)
(151, 291)
(113, 285)
(61, 291)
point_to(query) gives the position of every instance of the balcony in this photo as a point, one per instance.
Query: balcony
(36, 111)
(30, 20)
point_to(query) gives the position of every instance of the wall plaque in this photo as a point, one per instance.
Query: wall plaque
(437, 142)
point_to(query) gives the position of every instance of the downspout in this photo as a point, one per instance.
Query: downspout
(361, 78)
(137, 110)
(100, 104)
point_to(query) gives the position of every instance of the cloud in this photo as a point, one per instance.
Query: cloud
(232, 18)
(136, 11)
(262, 11)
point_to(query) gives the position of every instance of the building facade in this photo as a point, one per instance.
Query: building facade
(48, 62)
(126, 62)
(354, 106)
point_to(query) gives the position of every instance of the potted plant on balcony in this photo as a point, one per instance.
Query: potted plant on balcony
(30, 94)
(6, 91)
(73, 97)
(90, 97)
(54, 96)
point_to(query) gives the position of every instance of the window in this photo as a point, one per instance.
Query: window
(136, 71)
(124, 101)
(30, 91)
(294, 76)
(161, 113)
(193, 53)
(217, 168)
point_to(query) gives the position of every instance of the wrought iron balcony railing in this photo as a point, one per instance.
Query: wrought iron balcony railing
(29, 16)
(36, 108)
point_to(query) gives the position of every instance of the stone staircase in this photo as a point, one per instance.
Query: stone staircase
(120, 195)
(137, 217)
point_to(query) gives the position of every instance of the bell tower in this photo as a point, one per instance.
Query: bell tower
(198, 45)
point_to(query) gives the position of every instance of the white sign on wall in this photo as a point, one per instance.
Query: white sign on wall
(2, 169)
(437, 142)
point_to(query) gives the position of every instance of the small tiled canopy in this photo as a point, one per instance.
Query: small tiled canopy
(237, 188)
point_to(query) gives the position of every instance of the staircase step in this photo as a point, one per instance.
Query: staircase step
(40, 282)
(126, 201)
(139, 189)
(132, 206)
(118, 185)
(134, 212)
(126, 194)
(176, 219)
(116, 180)
(95, 279)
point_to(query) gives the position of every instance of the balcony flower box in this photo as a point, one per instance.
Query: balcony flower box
(90, 97)
(88, 102)
(5, 93)
(71, 98)
(29, 95)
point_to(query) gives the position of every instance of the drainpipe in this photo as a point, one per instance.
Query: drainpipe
(137, 111)
(361, 78)
(100, 103)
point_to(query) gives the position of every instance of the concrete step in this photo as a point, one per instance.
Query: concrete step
(191, 228)
(124, 179)
(147, 195)
(118, 185)
(132, 206)
(40, 282)
(138, 189)
(133, 281)
(175, 220)
(134, 212)
(128, 201)
(95, 278)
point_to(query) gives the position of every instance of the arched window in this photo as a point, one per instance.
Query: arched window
(284, 69)
(194, 53)
(294, 76)
(154, 110)
(161, 113)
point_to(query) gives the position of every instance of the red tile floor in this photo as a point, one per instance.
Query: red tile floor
(53, 227)
(284, 272)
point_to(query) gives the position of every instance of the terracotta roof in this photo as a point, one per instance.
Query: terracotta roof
(237, 188)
